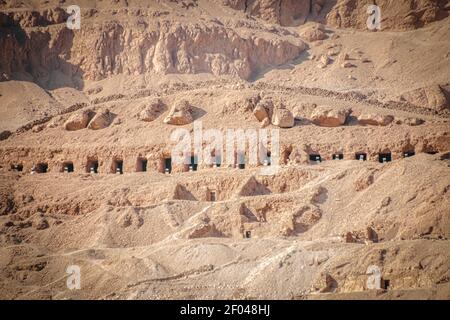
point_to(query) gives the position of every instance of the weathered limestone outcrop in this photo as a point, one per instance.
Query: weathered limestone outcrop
(268, 112)
(124, 48)
(180, 114)
(313, 32)
(282, 118)
(432, 97)
(375, 119)
(396, 15)
(330, 117)
(285, 13)
(151, 111)
(101, 120)
(78, 120)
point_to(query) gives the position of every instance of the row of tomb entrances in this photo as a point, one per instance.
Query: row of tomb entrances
(117, 166)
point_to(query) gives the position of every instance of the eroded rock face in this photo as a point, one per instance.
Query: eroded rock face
(432, 97)
(285, 13)
(101, 120)
(163, 47)
(150, 111)
(396, 15)
(375, 120)
(78, 120)
(180, 114)
(330, 117)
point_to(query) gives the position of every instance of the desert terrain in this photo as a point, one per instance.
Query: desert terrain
(87, 177)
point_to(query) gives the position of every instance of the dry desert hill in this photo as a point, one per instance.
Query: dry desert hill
(352, 202)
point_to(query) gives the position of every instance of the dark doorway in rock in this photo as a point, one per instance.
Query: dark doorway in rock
(338, 156)
(385, 283)
(42, 167)
(141, 165)
(194, 163)
(17, 167)
(432, 152)
(247, 234)
(167, 165)
(315, 158)
(117, 166)
(212, 196)
(384, 157)
(68, 167)
(241, 160)
(361, 156)
(268, 159)
(217, 160)
(408, 154)
(92, 166)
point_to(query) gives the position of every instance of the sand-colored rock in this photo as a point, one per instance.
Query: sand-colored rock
(283, 118)
(151, 111)
(329, 117)
(401, 15)
(180, 114)
(79, 120)
(313, 33)
(142, 226)
(432, 97)
(375, 120)
(101, 120)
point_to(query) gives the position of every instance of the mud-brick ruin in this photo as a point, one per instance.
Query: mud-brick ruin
(88, 170)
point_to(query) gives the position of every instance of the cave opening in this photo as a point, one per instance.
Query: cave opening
(68, 166)
(117, 166)
(194, 163)
(241, 160)
(17, 167)
(315, 158)
(361, 156)
(167, 165)
(92, 166)
(338, 156)
(384, 157)
(42, 167)
(408, 154)
(141, 165)
(247, 234)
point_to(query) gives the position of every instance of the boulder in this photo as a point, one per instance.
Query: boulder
(329, 117)
(324, 60)
(313, 33)
(375, 120)
(432, 97)
(260, 112)
(150, 112)
(283, 118)
(101, 120)
(264, 109)
(180, 114)
(78, 120)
